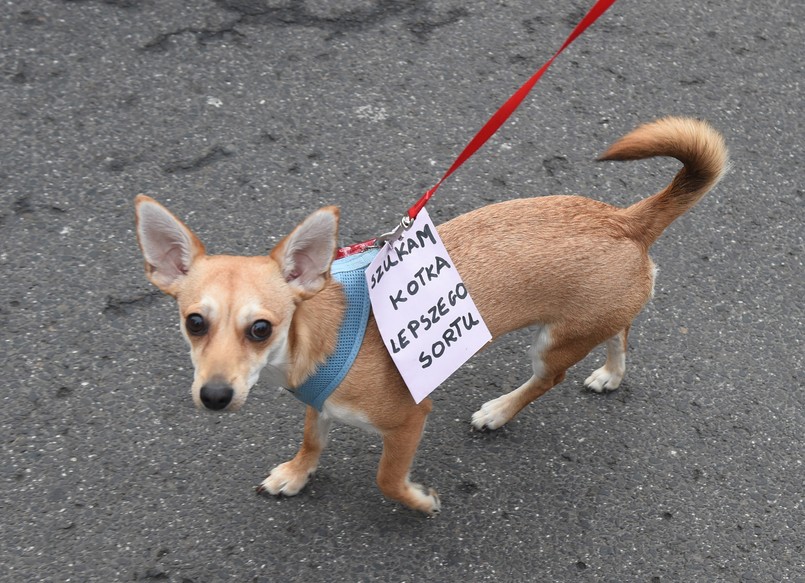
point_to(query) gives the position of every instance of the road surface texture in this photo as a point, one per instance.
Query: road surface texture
(243, 116)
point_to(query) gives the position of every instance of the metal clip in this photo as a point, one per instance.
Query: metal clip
(404, 225)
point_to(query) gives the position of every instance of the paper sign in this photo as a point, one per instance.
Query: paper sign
(426, 317)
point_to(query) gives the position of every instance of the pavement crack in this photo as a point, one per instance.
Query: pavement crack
(420, 19)
(116, 306)
(226, 32)
(425, 26)
(296, 13)
(214, 154)
(115, 3)
(555, 165)
(23, 205)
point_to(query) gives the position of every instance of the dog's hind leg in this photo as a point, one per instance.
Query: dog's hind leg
(289, 478)
(552, 354)
(609, 376)
(497, 412)
(399, 448)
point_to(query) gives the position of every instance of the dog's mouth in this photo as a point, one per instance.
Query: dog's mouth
(220, 393)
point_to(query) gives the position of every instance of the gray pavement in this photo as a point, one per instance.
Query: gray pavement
(244, 115)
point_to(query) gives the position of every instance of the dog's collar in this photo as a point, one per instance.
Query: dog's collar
(349, 272)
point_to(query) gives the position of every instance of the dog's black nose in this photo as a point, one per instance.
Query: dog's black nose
(216, 395)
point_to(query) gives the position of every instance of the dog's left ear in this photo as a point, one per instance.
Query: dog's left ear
(306, 254)
(169, 247)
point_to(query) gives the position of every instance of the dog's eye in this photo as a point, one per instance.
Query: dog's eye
(259, 331)
(196, 325)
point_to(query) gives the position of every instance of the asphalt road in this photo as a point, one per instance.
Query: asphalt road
(244, 115)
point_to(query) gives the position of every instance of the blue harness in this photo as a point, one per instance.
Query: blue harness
(349, 272)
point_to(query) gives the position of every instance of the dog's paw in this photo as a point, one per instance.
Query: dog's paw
(426, 499)
(492, 414)
(435, 504)
(603, 380)
(284, 480)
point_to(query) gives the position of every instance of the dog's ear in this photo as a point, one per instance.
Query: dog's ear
(306, 254)
(168, 246)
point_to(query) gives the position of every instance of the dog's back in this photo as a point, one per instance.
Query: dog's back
(570, 257)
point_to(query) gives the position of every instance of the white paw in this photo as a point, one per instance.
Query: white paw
(492, 414)
(435, 503)
(427, 500)
(603, 379)
(284, 480)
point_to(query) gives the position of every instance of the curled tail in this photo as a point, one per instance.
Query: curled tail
(694, 143)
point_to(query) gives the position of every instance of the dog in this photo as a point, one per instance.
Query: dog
(575, 270)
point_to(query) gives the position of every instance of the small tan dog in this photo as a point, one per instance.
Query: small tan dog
(574, 269)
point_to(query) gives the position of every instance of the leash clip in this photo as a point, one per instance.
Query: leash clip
(378, 241)
(393, 235)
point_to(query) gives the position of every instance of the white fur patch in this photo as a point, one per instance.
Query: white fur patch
(609, 376)
(542, 341)
(654, 271)
(247, 314)
(275, 362)
(284, 480)
(426, 499)
(346, 415)
(494, 414)
(208, 307)
(603, 380)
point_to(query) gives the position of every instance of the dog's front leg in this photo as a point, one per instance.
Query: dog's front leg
(399, 447)
(289, 478)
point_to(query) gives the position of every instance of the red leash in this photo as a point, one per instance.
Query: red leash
(486, 132)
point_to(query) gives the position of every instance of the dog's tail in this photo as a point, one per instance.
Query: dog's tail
(694, 143)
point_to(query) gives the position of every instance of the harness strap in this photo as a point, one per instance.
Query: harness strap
(349, 272)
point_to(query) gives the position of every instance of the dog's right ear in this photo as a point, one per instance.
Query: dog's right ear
(168, 246)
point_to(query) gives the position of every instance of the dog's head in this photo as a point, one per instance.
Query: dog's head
(235, 312)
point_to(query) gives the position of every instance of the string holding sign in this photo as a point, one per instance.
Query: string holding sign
(483, 135)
